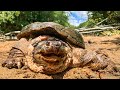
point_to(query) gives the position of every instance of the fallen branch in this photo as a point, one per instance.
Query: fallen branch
(97, 29)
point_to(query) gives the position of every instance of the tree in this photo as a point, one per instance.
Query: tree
(15, 20)
(7, 20)
(101, 17)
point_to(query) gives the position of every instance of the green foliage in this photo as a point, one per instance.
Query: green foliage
(61, 18)
(98, 16)
(108, 17)
(8, 16)
(110, 32)
(15, 20)
(88, 24)
(106, 33)
(95, 17)
(7, 22)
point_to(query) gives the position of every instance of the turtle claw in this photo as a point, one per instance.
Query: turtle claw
(25, 67)
(9, 64)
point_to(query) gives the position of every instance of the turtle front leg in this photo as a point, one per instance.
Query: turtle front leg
(98, 61)
(16, 58)
(93, 59)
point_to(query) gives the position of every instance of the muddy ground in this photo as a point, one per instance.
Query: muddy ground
(108, 44)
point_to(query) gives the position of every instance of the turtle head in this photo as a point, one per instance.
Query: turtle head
(51, 53)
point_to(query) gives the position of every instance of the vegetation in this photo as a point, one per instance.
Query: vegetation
(15, 20)
(96, 18)
(110, 32)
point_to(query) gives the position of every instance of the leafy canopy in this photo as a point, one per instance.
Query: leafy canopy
(15, 20)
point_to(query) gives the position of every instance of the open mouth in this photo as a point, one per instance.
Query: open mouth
(50, 58)
(51, 62)
(53, 55)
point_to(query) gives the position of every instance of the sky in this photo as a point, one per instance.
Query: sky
(77, 17)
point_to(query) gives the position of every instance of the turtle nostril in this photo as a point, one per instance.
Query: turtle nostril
(57, 44)
(47, 43)
(3, 65)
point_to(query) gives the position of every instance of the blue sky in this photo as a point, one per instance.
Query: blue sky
(77, 17)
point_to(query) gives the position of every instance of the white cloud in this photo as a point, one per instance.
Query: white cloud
(81, 16)
(72, 20)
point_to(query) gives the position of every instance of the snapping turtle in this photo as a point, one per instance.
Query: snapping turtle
(50, 48)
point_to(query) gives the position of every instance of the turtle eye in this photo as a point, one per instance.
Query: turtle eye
(47, 43)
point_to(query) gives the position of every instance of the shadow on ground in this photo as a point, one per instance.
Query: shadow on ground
(60, 75)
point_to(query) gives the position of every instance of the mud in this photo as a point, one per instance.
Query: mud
(109, 45)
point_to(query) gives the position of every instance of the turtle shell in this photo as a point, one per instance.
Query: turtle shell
(53, 29)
